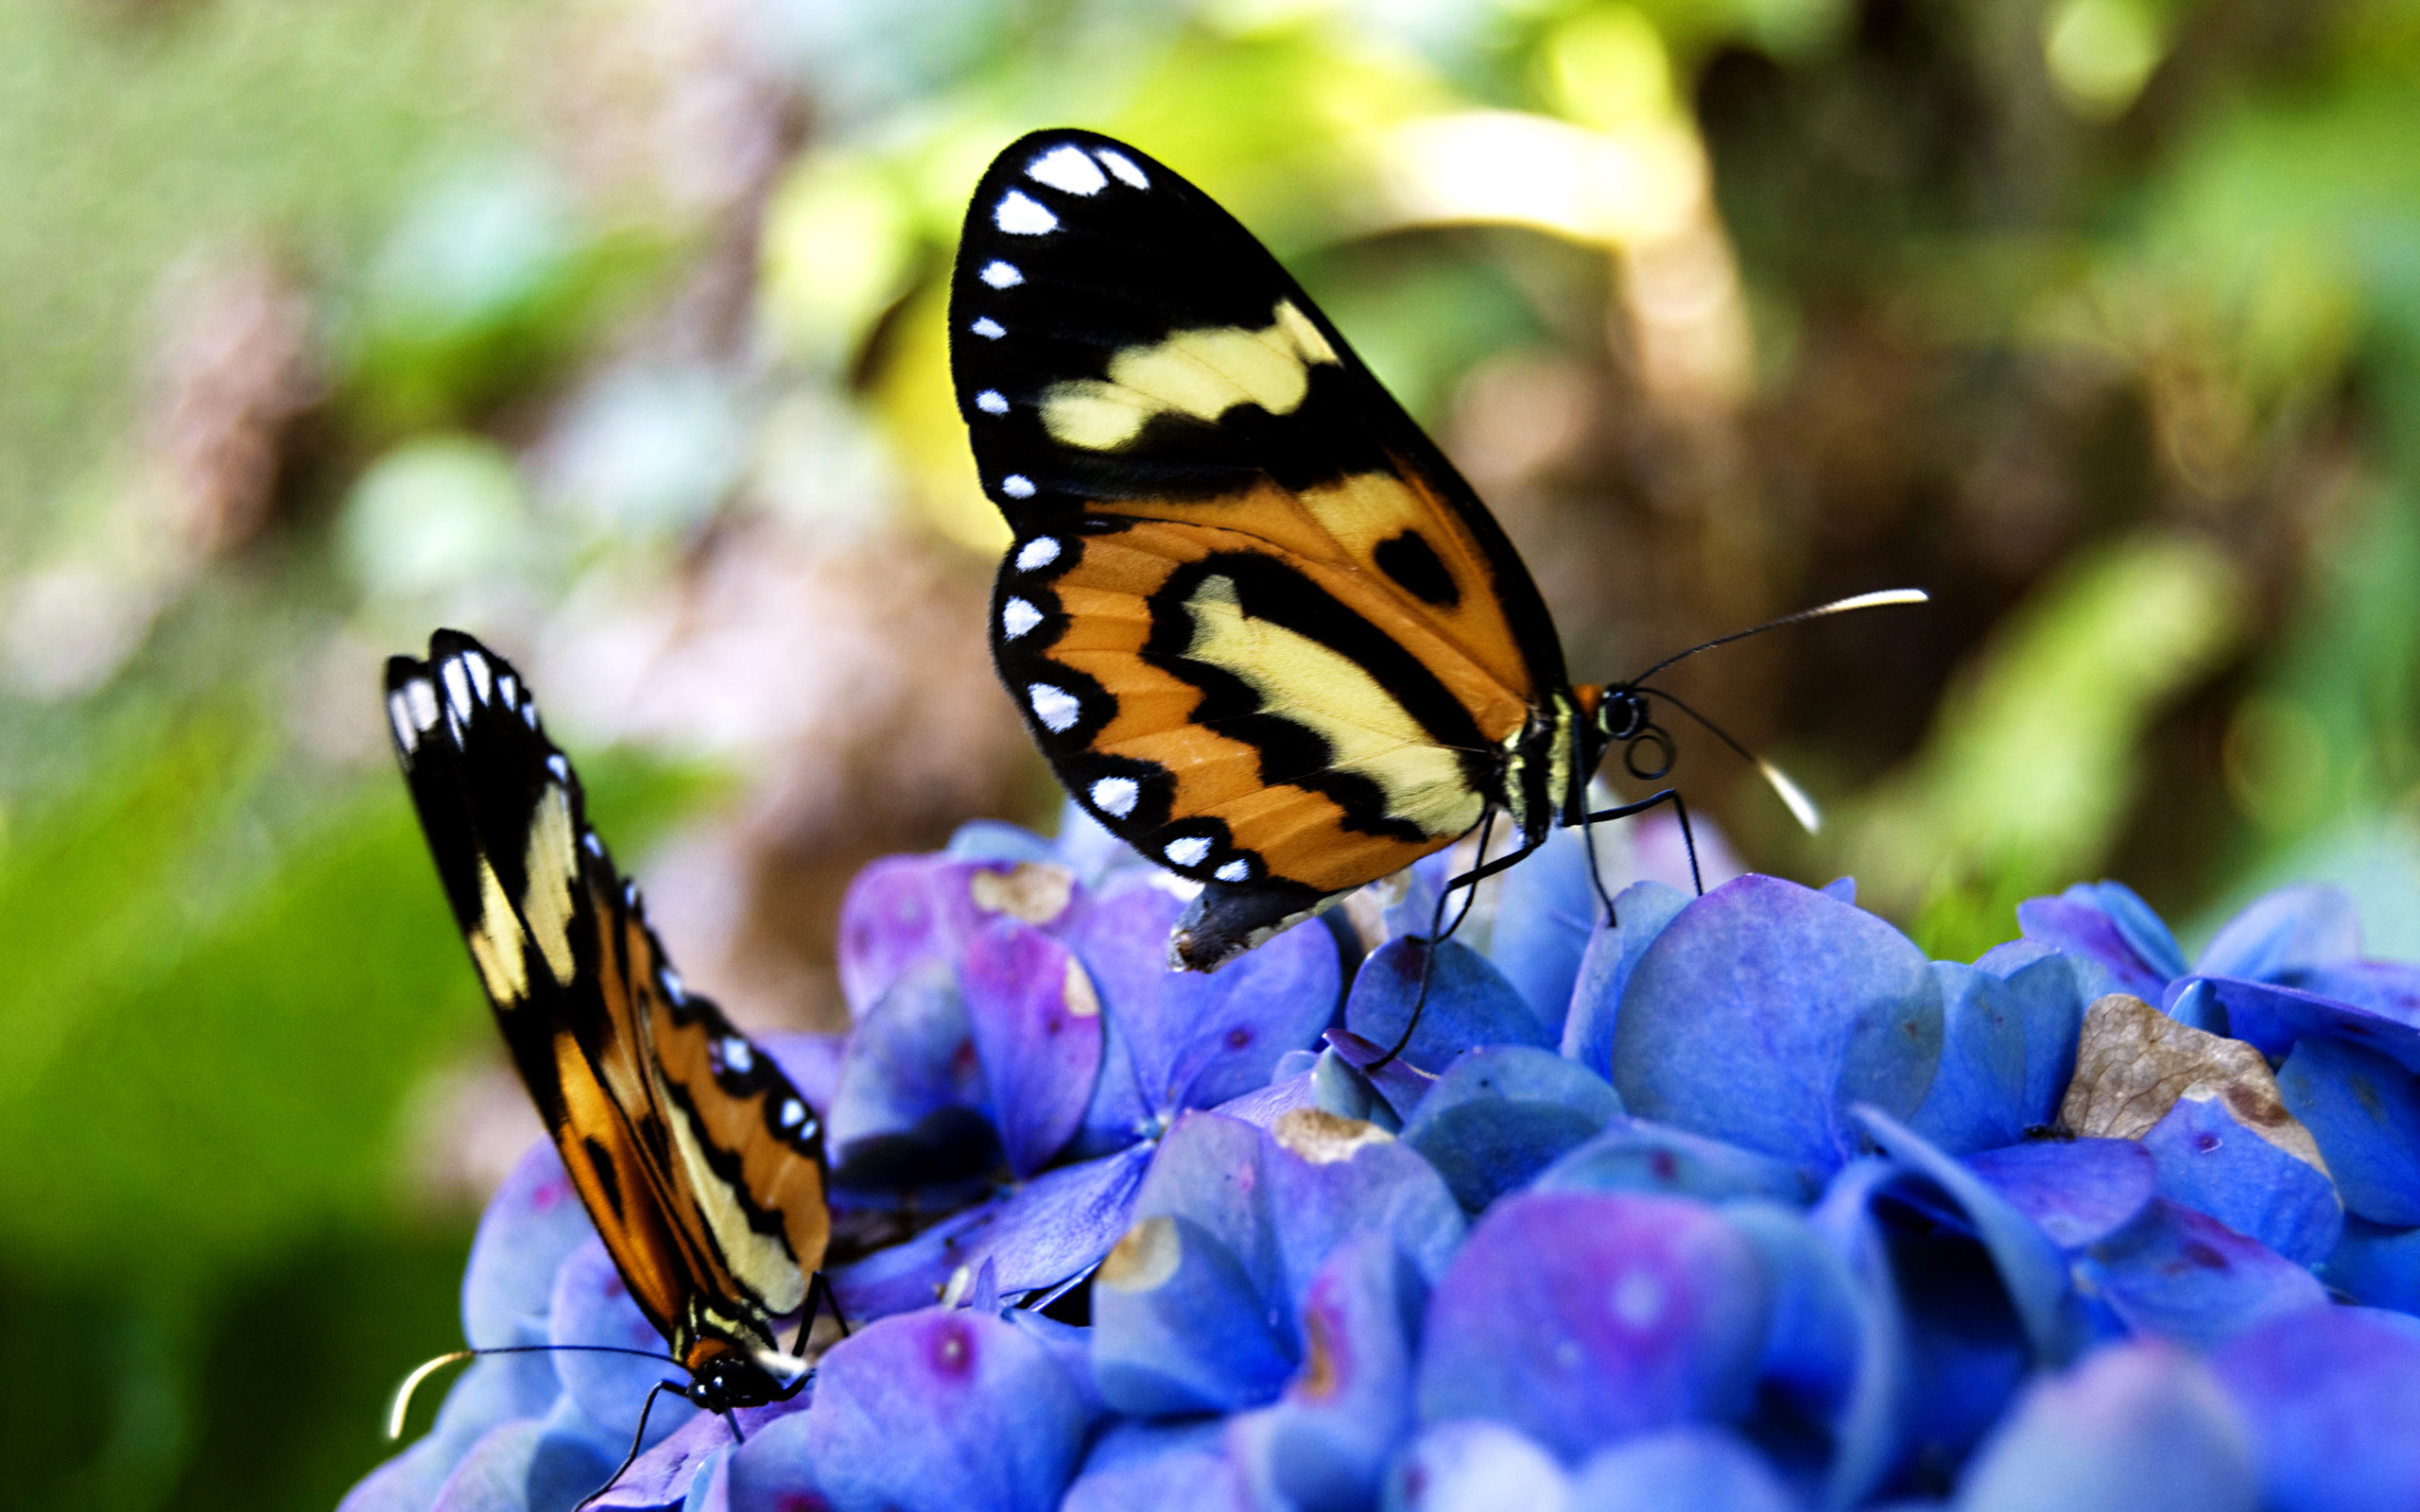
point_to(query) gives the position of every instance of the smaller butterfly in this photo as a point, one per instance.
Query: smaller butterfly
(701, 1164)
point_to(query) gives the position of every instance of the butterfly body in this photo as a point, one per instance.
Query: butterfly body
(701, 1167)
(1258, 623)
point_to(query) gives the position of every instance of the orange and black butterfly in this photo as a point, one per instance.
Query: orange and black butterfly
(701, 1164)
(1258, 624)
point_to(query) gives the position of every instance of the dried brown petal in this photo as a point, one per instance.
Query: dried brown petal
(2133, 1062)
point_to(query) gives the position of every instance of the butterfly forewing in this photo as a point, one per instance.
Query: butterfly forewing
(1260, 626)
(700, 1162)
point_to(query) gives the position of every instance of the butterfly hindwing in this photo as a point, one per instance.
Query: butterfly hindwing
(700, 1162)
(1153, 405)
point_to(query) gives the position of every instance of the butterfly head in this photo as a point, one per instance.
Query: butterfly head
(731, 1379)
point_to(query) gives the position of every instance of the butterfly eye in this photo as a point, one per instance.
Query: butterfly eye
(1622, 714)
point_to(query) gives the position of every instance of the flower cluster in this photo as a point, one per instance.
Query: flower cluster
(1739, 1204)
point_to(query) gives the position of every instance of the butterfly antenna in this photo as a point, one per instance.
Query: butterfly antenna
(1838, 606)
(636, 1441)
(1793, 798)
(402, 1404)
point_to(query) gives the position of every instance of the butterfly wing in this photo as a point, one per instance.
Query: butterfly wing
(1254, 618)
(698, 1162)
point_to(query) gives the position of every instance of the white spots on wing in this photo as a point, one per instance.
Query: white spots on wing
(1016, 617)
(1191, 850)
(510, 687)
(482, 676)
(594, 847)
(458, 688)
(989, 329)
(399, 713)
(1122, 166)
(561, 768)
(1234, 872)
(674, 987)
(1021, 215)
(529, 713)
(1066, 167)
(419, 699)
(793, 1112)
(1001, 275)
(1054, 706)
(1037, 554)
(1017, 486)
(739, 1055)
(992, 402)
(1115, 796)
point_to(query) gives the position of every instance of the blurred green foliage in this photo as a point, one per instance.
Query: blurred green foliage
(2099, 317)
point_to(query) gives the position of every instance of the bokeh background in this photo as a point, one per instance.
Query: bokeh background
(611, 330)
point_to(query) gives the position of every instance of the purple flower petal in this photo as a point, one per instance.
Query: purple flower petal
(1209, 1171)
(2211, 1160)
(1234, 1026)
(1634, 1155)
(1264, 1106)
(1052, 1227)
(1644, 909)
(2284, 933)
(1398, 1086)
(2330, 1397)
(1472, 1464)
(534, 1221)
(2363, 1110)
(2390, 989)
(2180, 1274)
(593, 1307)
(1582, 1317)
(1501, 1113)
(1037, 1030)
(494, 1475)
(903, 912)
(2272, 1018)
(2139, 1428)
(1469, 1004)
(406, 1483)
(1340, 1087)
(2377, 1267)
(2110, 927)
(1148, 1466)
(1680, 1470)
(2077, 1190)
(1545, 913)
(812, 1062)
(1326, 1442)
(943, 1411)
(1178, 1326)
(911, 1106)
(1765, 1009)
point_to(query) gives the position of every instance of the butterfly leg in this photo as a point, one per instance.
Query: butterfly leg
(636, 1441)
(1688, 840)
(820, 1293)
(1439, 931)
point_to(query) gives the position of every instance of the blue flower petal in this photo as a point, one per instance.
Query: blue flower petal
(2330, 1397)
(1171, 1467)
(1264, 1106)
(1818, 1378)
(1975, 1103)
(592, 1306)
(2390, 989)
(2284, 933)
(1328, 1180)
(1208, 1171)
(1869, 1431)
(1545, 915)
(2183, 1276)
(1581, 1318)
(1325, 1444)
(1399, 1088)
(1637, 1155)
(2030, 1266)
(2077, 1191)
(911, 1106)
(2273, 1019)
(1469, 1004)
(1501, 1113)
(1644, 908)
(899, 912)
(2139, 1428)
(531, 1225)
(525, 1466)
(1340, 1087)
(1766, 1010)
(1095, 853)
(1036, 1025)
(1472, 1464)
(406, 1483)
(943, 1411)
(998, 840)
(1044, 1232)
(1234, 1025)
(1179, 1327)
(1680, 1470)
(2376, 1266)
(2363, 1110)
(2081, 923)
(2212, 1160)
(811, 1061)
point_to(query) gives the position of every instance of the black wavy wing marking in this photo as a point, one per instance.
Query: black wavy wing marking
(1121, 266)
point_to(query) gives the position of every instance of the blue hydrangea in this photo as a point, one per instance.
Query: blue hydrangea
(1742, 1204)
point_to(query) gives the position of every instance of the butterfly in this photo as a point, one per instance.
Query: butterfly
(1258, 624)
(701, 1164)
